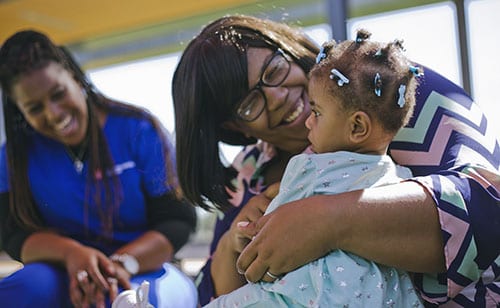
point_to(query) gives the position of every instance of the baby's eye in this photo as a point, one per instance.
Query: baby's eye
(316, 113)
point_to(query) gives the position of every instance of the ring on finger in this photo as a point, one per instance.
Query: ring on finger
(273, 276)
(81, 275)
(112, 280)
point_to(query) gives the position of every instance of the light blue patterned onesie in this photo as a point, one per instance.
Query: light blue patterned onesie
(339, 279)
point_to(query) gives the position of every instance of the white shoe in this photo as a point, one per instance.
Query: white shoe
(133, 298)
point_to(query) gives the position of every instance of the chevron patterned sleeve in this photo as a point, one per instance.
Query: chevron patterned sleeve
(469, 213)
(456, 156)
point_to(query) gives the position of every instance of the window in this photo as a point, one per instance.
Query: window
(484, 46)
(429, 34)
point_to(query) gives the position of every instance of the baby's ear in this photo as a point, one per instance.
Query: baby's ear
(361, 127)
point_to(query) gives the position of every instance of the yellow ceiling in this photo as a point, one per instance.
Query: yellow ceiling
(106, 32)
(71, 21)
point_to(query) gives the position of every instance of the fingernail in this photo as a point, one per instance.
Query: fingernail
(242, 224)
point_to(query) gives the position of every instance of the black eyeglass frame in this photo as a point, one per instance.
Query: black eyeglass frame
(258, 87)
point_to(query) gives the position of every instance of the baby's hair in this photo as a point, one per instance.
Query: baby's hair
(370, 76)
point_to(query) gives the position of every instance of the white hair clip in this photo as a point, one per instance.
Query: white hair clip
(401, 100)
(321, 55)
(377, 81)
(417, 71)
(342, 79)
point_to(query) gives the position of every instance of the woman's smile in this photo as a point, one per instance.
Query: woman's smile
(68, 126)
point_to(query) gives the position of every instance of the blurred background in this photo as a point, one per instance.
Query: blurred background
(130, 48)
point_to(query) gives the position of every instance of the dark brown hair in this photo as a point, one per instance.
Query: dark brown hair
(209, 80)
(361, 61)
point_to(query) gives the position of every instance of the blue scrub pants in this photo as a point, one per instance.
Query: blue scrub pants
(46, 285)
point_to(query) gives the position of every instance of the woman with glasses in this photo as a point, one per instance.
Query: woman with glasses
(243, 81)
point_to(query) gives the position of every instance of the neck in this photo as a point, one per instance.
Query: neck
(77, 154)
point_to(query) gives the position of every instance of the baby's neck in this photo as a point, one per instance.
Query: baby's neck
(370, 148)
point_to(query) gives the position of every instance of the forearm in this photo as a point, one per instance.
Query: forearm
(173, 218)
(396, 225)
(224, 274)
(47, 246)
(151, 250)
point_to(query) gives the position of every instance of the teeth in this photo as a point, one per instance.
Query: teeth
(296, 113)
(63, 123)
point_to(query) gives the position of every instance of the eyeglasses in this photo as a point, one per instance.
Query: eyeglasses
(273, 74)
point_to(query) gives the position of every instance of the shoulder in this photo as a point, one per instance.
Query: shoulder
(432, 81)
(127, 121)
(130, 127)
(447, 129)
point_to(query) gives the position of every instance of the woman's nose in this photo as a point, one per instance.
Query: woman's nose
(275, 96)
(53, 110)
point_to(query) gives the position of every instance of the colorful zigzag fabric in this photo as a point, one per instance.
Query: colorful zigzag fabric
(449, 138)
